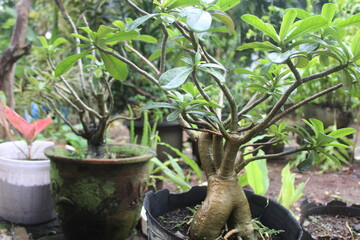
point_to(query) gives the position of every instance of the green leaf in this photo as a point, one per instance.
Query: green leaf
(328, 11)
(338, 145)
(266, 28)
(183, 3)
(171, 175)
(197, 19)
(319, 126)
(257, 175)
(213, 65)
(331, 157)
(307, 163)
(34, 81)
(264, 46)
(57, 42)
(137, 22)
(104, 30)
(351, 20)
(120, 36)
(288, 195)
(173, 115)
(116, 68)
(279, 57)
(323, 139)
(158, 105)
(66, 64)
(286, 24)
(225, 5)
(43, 41)
(225, 19)
(302, 14)
(301, 61)
(146, 38)
(342, 132)
(355, 45)
(307, 25)
(119, 24)
(213, 72)
(81, 37)
(190, 162)
(308, 47)
(175, 77)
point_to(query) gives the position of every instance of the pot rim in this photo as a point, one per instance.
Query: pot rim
(147, 154)
(19, 145)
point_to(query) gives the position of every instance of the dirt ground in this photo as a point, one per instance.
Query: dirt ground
(321, 187)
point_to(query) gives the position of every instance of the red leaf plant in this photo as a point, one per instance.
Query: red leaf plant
(28, 130)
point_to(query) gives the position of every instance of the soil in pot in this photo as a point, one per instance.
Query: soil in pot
(332, 227)
(178, 222)
(161, 204)
(333, 221)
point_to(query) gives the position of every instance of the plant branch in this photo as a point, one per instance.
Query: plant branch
(54, 108)
(325, 73)
(270, 156)
(143, 58)
(205, 154)
(136, 8)
(78, 50)
(131, 64)
(163, 49)
(301, 103)
(294, 70)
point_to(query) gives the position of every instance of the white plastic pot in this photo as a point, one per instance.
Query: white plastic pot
(25, 184)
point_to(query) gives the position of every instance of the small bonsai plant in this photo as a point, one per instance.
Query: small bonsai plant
(227, 146)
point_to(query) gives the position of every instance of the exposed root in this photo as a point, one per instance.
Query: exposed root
(230, 233)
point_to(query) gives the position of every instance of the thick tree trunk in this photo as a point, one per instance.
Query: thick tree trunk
(16, 49)
(225, 202)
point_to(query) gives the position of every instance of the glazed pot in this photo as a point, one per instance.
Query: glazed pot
(270, 213)
(25, 184)
(99, 198)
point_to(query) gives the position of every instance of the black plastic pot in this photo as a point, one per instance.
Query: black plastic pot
(269, 212)
(169, 132)
(333, 208)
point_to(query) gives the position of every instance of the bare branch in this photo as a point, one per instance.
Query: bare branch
(301, 103)
(78, 50)
(56, 110)
(131, 64)
(270, 156)
(163, 48)
(143, 58)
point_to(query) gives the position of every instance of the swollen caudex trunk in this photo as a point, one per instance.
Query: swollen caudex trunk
(225, 203)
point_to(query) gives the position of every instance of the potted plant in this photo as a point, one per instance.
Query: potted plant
(97, 191)
(24, 172)
(226, 146)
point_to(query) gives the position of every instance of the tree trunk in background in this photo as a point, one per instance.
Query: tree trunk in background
(16, 49)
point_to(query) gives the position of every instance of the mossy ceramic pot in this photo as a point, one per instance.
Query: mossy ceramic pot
(99, 198)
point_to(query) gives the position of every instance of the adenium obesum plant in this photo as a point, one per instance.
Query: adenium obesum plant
(227, 146)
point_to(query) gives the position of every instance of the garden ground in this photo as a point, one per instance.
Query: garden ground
(321, 187)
